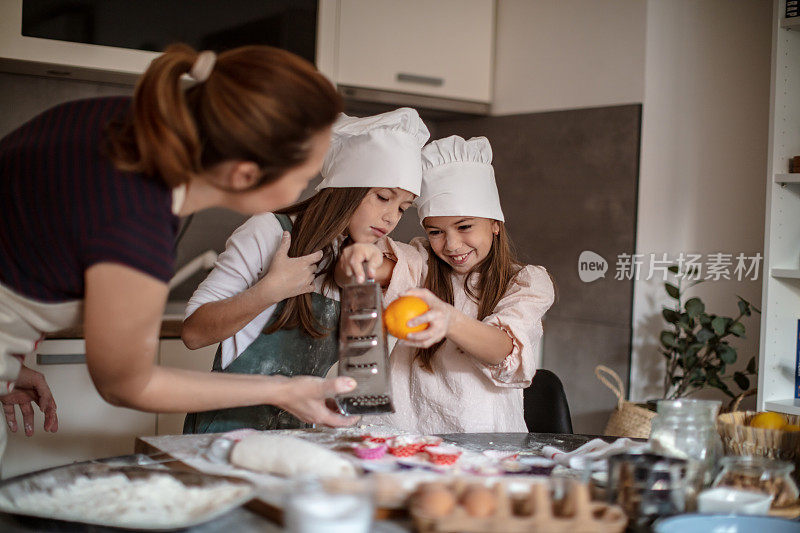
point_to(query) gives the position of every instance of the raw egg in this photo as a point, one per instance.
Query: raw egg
(435, 501)
(479, 501)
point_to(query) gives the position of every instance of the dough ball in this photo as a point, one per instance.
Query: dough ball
(288, 456)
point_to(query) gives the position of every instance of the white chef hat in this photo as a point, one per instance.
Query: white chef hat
(378, 151)
(458, 179)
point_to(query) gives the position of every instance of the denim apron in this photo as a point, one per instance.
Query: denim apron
(286, 352)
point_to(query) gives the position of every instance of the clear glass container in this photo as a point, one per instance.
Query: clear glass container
(329, 506)
(761, 474)
(687, 429)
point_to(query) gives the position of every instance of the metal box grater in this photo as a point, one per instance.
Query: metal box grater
(363, 352)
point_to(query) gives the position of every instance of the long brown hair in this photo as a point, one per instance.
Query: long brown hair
(320, 220)
(495, 274)
(259, 104)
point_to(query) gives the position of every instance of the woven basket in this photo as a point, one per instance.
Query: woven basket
(628, 419)
(741, 439)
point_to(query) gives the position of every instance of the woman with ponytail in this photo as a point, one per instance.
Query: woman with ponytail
(466, 371)
(90, 194)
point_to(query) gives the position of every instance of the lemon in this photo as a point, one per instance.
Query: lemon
(768, 420)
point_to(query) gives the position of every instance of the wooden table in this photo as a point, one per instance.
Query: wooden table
(256, 517)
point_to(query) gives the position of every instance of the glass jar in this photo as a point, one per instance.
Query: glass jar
(329, 506)
(687, 429)
(760, 474)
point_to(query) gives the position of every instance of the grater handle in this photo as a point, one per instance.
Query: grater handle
(367, 277)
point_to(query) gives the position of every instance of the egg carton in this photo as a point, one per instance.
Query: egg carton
(522, 513)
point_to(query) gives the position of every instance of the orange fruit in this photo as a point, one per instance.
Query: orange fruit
(768, 420)
(400, 311)
(791, 427)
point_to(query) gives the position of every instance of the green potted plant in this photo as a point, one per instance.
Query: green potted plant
(696, 345)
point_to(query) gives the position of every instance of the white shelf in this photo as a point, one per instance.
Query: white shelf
(780, 301)
(789, 407)
(792, 23)
(793, 273)
(783, 179)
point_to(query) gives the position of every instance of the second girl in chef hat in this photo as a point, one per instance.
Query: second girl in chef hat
(466, 371)
(271, 300)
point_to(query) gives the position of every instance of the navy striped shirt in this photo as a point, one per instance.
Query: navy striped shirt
(64, 206)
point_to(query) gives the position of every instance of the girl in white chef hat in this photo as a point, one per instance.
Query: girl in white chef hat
(271, 300)
(466, 371)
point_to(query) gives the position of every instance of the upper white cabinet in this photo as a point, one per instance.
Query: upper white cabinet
(442, 49)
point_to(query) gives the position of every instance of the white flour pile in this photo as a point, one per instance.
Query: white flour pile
(156, 501)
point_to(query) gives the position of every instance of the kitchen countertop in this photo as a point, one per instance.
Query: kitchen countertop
(170, 329)
(244, 520)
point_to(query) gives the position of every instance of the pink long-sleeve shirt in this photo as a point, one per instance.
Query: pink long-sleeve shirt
(463, 394)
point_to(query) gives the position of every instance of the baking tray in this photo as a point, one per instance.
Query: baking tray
(133, 467)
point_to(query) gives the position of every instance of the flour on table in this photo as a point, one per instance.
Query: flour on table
(159, 500)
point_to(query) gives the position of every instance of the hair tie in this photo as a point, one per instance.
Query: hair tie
(203, 66)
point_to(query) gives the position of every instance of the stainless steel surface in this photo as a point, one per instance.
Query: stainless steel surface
(424, 80)
(647, 486)
(363, 350)
(60, 358)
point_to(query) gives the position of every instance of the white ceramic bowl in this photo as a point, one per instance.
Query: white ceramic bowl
(693, 523)
(725, 500)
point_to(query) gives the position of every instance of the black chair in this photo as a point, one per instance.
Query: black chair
(545, 405)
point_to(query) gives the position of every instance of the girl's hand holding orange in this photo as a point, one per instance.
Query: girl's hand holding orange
(439, 319)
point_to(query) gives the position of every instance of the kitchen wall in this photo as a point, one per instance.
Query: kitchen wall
(701, 70)
(704, 155)
(22, 97)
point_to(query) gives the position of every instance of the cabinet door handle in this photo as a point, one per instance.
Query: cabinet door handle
(60, 358)
(415, 78)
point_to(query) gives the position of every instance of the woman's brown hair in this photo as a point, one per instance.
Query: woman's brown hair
(258, 104)
(495, 274)
(319, 221)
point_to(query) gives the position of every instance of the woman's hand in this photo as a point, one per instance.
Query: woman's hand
(439, 319)
(306, 395)
(289, 276)
(353, 257)
(29, 388)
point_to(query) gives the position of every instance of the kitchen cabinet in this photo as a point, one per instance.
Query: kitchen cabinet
(441, 49)
(173, 353)
(88, 427)
(780, 303)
